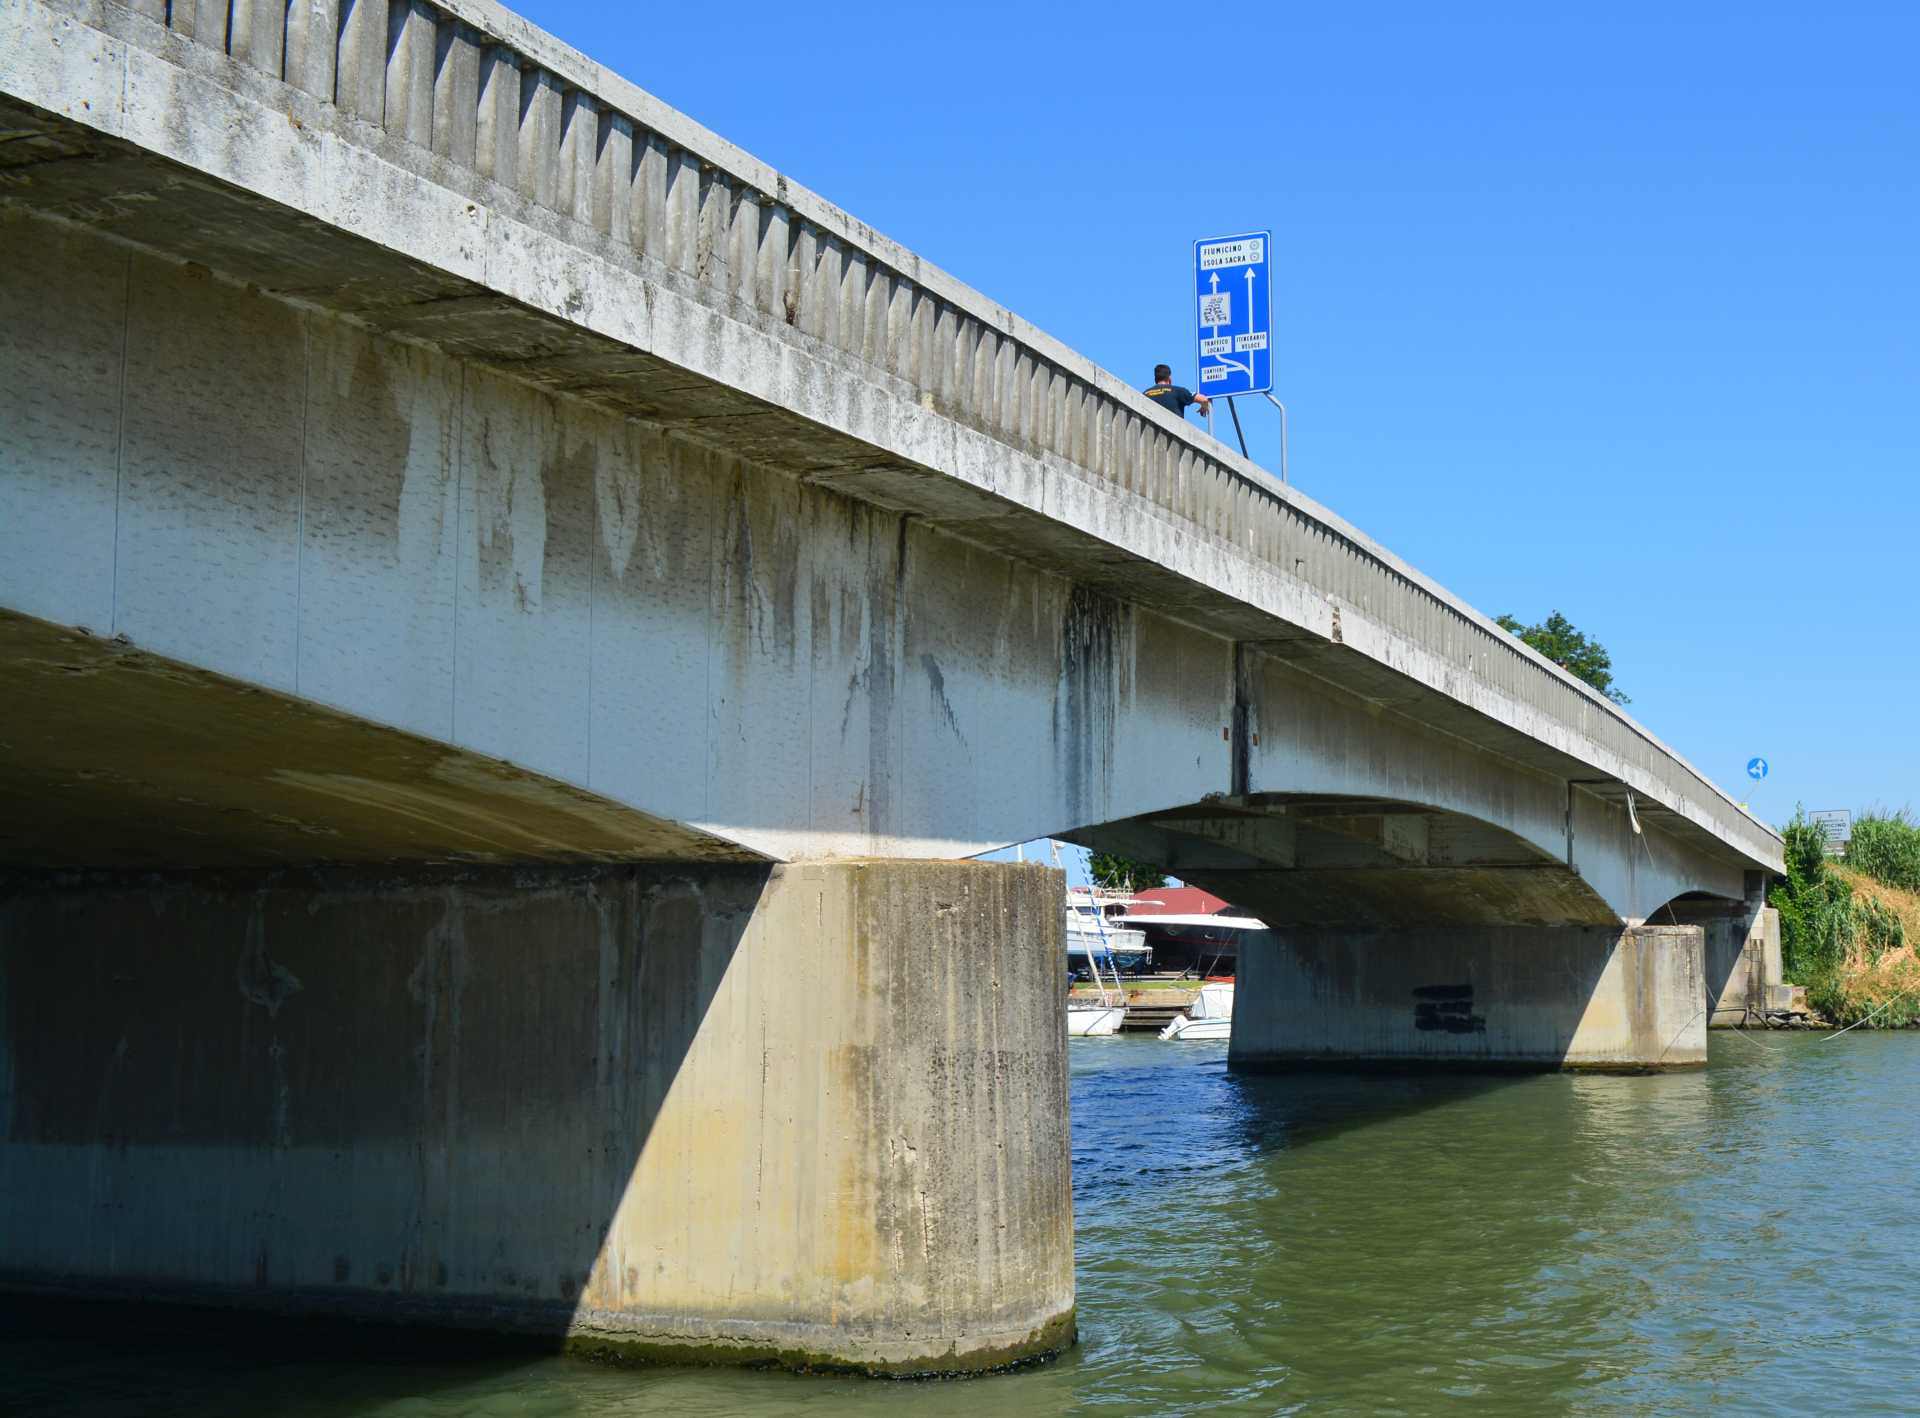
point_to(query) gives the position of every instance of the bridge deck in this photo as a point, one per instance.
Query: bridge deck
(449, 174)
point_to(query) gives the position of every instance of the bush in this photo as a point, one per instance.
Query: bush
(1886, 846)
(1812, 906)
(1826, 932)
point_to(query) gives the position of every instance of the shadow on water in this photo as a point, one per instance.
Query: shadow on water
(1319, 1244)
(1268, 1110)
(97, 1359)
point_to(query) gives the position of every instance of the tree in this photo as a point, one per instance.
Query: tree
(1122, 874)
(1556, 638)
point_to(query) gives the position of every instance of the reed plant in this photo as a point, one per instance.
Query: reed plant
(1879, 979)
(1886, 846)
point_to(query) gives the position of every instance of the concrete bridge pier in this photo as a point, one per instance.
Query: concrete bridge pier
(1480, 996)
(1742, 953)
(810, 1113)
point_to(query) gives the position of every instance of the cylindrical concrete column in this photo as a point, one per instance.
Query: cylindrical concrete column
(865, 1154)
(1577, 997)
(812, 1113)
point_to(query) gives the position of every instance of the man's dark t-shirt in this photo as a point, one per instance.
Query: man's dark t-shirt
(1171, 396)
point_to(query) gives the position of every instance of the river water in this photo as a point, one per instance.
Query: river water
(1744, 1240)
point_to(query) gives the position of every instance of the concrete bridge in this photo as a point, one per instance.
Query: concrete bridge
(512, 611)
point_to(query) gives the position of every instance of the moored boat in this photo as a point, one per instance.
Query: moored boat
(1094, 1018)
(1210, 1016)
(1188, 929)
(1094, 933)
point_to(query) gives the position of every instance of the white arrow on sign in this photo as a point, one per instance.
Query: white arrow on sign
(1247, 368)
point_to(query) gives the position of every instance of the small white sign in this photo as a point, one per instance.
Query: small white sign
(1256, 341)
(1836, 824)
(1216, 309)
(1219, 344)
(1248, 251)
(1215, 373)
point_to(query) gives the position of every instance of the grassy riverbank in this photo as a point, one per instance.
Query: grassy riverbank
(1850, 928)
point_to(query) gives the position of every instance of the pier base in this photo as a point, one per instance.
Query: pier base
(1482, 997)
(812, 1114)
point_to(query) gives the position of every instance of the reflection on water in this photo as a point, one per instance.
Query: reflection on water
(1735, 1239)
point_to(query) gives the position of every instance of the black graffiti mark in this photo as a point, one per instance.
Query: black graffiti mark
(1447, 1008)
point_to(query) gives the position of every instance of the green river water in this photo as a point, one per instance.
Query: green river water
(1742, 1240)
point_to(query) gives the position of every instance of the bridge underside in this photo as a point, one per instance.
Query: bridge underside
(1312, 860)
(1407, 936)
(116, 758)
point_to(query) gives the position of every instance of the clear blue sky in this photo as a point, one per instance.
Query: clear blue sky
(1606, 309)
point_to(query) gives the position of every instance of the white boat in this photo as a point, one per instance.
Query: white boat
(1093, 936)
(1189, 929)
(1211, 1016)
(1094, 1018)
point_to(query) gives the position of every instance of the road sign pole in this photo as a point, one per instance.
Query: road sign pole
(1236, 426)
(1283, 434)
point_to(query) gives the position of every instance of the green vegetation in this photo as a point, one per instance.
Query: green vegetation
(1557, 639)
(1845, 930)
(1886, 846)
(1123, 874)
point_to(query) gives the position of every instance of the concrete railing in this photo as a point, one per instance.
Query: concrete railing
(484, 90)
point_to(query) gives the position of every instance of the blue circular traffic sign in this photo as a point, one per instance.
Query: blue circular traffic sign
(1756, 768)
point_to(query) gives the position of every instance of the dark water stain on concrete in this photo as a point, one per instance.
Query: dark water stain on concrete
(937, 684)
(1084, 707)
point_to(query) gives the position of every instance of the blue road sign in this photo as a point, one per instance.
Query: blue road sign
(1233, 290)
(1756, 768)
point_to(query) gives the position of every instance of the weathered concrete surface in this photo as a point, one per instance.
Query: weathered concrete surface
(1578, 997)
(471, 185)
(666, 630)
(811, 1113)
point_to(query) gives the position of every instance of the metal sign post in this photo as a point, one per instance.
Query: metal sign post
(1283, 435)
(1233, 293)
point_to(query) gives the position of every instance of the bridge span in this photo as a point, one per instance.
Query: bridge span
(513, 612)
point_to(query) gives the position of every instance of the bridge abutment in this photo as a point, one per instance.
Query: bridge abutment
(812, 1113)
(1580, 997)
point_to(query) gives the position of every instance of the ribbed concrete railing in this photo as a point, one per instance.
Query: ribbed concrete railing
(486, 91)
